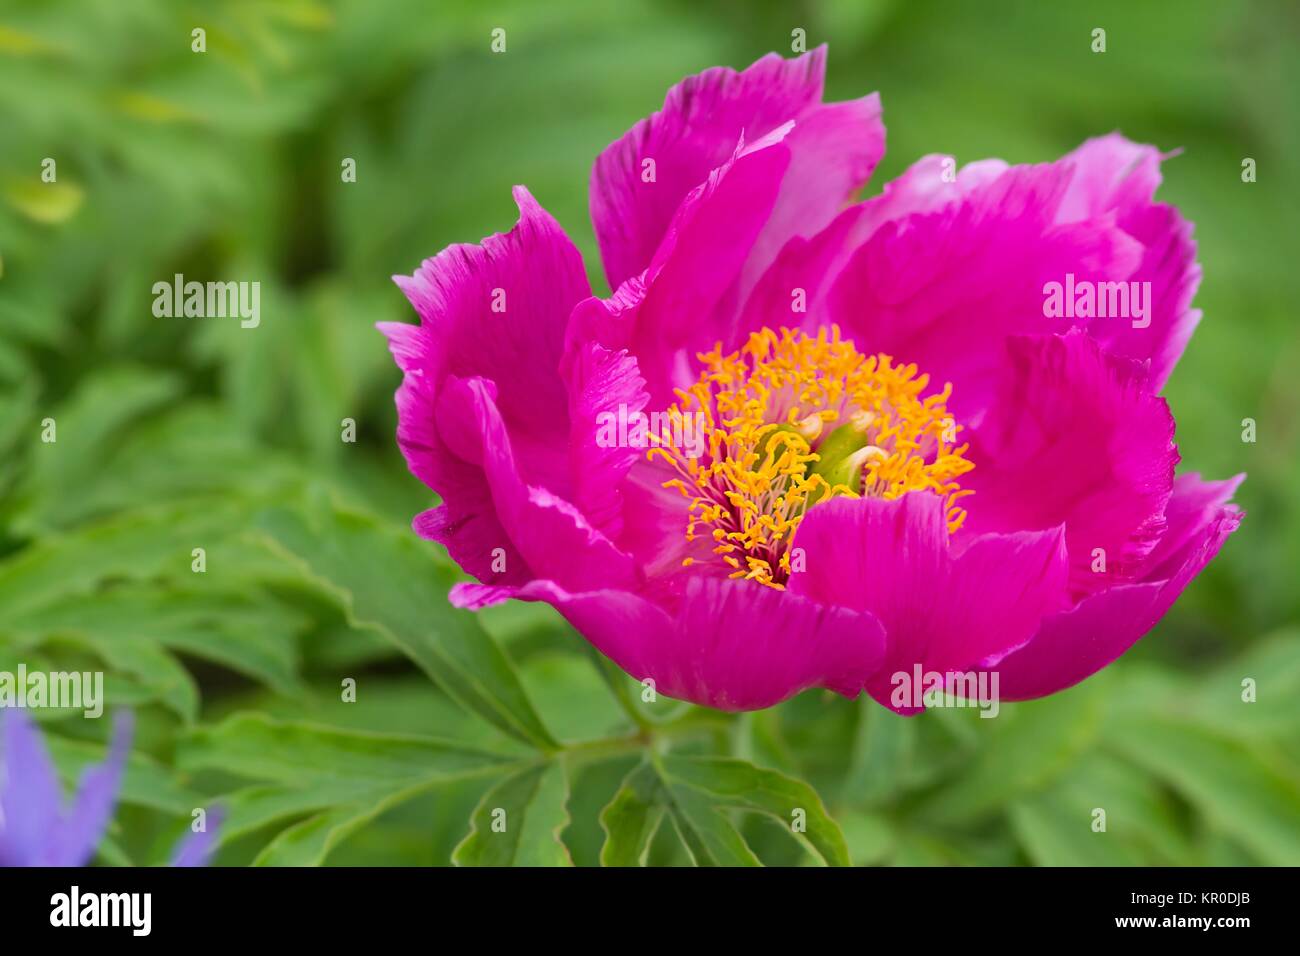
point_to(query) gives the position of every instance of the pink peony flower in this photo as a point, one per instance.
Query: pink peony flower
(740, 477)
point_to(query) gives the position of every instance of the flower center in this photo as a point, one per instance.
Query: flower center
(790, 420)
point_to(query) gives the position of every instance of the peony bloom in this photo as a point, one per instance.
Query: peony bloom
(35, 830)
(808, 443)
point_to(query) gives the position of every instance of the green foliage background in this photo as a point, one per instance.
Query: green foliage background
(177, 434)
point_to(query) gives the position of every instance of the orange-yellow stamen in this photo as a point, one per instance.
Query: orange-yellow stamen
(790, 419)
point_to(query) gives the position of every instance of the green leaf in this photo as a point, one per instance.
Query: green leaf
(340, 779)
(253, 808)
(710, 838)
(249, 633)
(1025, 747)
(300, 754)
(1250, 793)
(634, 816)
(88, 425)
(192, 450)
(1141, 825)
(725, 782)
(1274, 714)
(592, 784)
(153, 667)
(390, 581)
(145, 782)
(631, 818)
(134, 545)
(870, 837)
(519, 821)
(698, 794)
(310, 842)
(1053, 835)
(881, 755)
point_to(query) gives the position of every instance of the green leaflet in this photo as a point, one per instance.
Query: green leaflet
(696, 793)
(86, 428)
(254, 746)
(330, 781)
(135, 545)
(631, 818)
(145, 783)
(519, 821)
(246, 632)
(390, 581)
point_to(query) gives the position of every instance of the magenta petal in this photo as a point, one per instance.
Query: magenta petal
(942, 608)
(1109, 172)
(1075, 439)
(929, 185)
(732, 645)
(416, 351)
(654, 527)
(472, 533)
(466, 523)
(605, 392)
(944, 288)
(951, 264)
(702, 119)
(675, 310)
(1077, 643)
(810, 265)
(1193, 505)
(554, 537)
(792, 291)
(1116, 177)
(834, 148)
(497, 311)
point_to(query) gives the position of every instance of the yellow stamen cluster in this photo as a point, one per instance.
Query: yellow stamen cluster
(791, 419)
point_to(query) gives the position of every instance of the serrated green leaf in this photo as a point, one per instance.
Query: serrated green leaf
(340, 779)
(389, 581)
(310, 842)
(519, 821)
(721, 782)
(248, 633)
(698, 794)
(709, 836)
(631, 818)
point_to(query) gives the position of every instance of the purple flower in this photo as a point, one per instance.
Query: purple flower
(739, 476)
(35, 827)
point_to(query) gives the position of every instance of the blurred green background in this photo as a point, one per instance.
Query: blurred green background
(174, 434)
